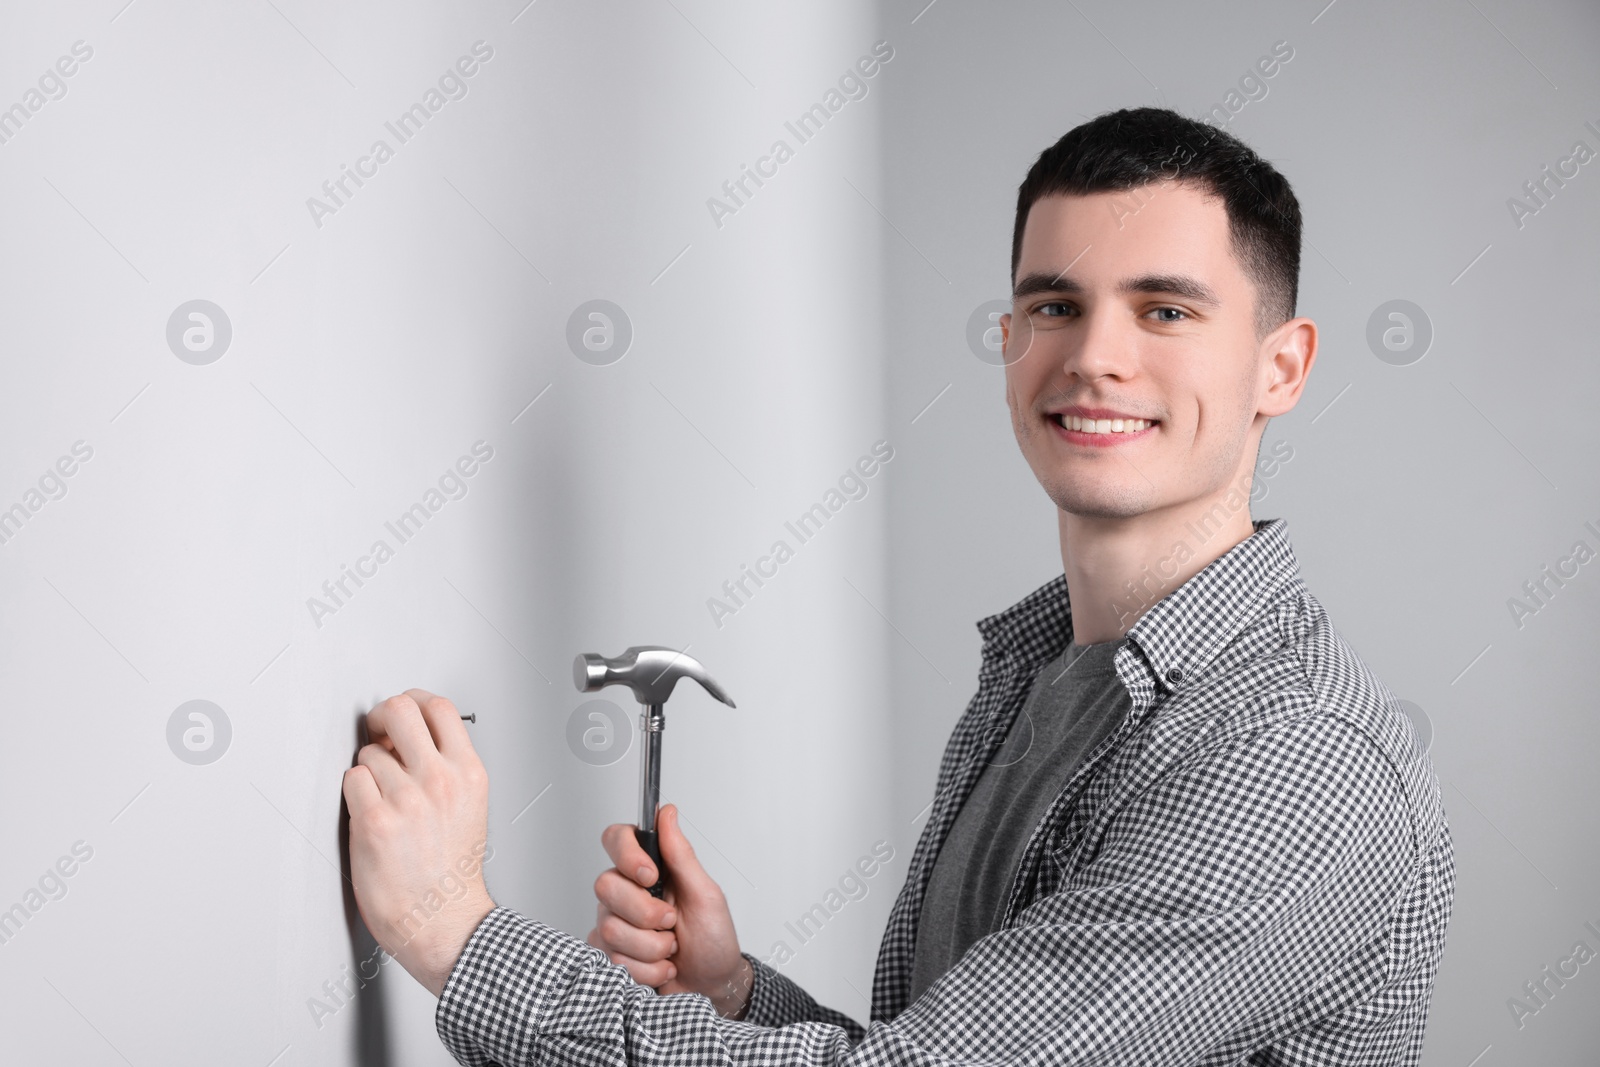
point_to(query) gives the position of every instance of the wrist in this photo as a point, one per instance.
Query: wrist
(439, 959)
(733, 999)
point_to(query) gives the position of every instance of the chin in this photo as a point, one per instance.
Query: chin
(1100, 501)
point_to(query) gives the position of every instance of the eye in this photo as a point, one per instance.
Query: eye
(1169, 307)
(1052, 304)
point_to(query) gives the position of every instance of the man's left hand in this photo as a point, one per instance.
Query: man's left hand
(419, 822)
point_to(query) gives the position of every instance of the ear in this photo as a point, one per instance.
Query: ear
(1005, 347)
(1290, 351)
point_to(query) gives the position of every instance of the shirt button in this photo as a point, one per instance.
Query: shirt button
(1174, 675)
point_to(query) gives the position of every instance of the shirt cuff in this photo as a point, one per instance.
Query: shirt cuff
(775, 1000)
(760, 1005)
(508, 973)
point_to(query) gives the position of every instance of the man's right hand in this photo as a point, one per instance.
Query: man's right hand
(684, 943)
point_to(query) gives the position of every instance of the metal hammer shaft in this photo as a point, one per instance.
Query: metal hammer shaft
(652, 724)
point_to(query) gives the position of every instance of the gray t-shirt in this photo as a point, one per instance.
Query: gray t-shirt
(1076, 702)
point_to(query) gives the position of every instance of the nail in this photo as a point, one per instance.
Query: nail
(667, 920)
(470, 718)
(643, 875)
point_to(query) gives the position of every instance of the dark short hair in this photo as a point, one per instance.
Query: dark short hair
(1137, 146)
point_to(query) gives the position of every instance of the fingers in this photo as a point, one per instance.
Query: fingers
(614, 934)
(360, 791)
(383, 769)
(632, 903)
(689, 879)
(418, 726)
(656, 973)
(622, 845)
(400, 720)
(444, 723)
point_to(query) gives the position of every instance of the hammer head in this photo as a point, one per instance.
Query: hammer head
(649, 670)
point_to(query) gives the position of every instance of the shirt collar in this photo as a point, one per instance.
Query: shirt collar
(1182, 632)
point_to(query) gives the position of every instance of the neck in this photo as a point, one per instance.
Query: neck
(1118, 568)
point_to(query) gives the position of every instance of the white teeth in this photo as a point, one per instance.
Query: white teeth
(1074, 422)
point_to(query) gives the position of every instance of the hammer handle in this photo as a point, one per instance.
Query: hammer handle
(651, 845)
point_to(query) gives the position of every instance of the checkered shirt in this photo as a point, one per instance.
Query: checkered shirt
(1255, 868)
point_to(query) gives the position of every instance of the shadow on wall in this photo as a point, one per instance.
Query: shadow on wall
(371, 1030)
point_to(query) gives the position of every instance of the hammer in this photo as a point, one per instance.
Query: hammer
(650, 671)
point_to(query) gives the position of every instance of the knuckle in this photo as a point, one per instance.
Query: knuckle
(376, 824)
(400, 703)
(436, 786)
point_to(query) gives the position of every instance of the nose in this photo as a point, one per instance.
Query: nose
(1100, 344)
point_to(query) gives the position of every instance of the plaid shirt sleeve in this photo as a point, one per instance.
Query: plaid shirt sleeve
(1239, 899)
(775, 1000)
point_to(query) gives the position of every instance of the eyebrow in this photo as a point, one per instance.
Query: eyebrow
(1170, 284)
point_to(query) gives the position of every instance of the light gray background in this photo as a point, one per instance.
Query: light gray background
(768, 354)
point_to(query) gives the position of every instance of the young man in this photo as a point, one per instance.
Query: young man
(1180, 822)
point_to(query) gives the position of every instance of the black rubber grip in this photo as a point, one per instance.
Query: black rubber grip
(651, 845)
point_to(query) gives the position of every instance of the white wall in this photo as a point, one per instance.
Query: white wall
(375, 349)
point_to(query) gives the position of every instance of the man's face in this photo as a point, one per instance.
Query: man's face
(1131, 304)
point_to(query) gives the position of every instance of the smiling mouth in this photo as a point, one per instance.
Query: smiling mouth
(1102, 427)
